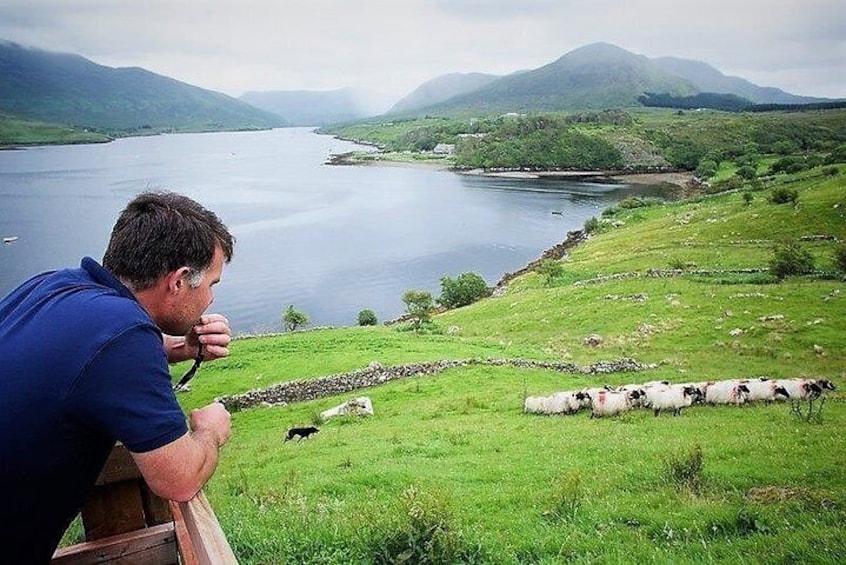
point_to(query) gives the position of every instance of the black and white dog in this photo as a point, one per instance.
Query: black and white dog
(301, 433)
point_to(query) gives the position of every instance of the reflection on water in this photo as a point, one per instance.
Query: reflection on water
(330, 240)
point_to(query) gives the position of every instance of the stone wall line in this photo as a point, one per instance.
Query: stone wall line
(375, 374)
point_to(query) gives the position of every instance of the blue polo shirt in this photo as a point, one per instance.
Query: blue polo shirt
(82, 365)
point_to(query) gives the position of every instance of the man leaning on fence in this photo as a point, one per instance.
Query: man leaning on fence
(84, 357)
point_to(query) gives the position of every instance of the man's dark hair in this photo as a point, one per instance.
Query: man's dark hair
(159, 232)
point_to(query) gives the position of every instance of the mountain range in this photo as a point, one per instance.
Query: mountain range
(319, 108)
(596, 76)
(68, 89)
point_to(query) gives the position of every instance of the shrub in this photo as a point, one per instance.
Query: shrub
(747, 172)
(747, 198)
(631, 203)
(788, 165)
(367, 318)
(838, 155)
(426, 535)
(831, 171)
(293, 319)
(684, 471)
(549, 269)
(789, 258)
(462, 290)
(591, 225)
(784, 195)
(420, 306)
(706, 168)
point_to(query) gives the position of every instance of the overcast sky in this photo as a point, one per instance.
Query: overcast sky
(393, 46)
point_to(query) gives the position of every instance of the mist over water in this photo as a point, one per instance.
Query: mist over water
(329, 240)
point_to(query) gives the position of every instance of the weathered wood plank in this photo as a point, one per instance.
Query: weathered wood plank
(112, 510)
(187, 554)
(142, 547)
(209, 541)
(156, 508)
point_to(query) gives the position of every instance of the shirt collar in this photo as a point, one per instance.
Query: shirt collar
(104, 277)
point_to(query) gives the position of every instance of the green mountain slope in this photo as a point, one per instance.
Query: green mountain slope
(69, 89)
(708, 79)
(440, 89)
(596, 77)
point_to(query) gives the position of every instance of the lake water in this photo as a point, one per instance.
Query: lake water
(329, 240)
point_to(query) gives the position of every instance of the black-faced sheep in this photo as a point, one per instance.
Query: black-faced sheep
(764, 390)
(611, 403)
(804, 389)
(558, 403)
(673, 397)
(726, 392)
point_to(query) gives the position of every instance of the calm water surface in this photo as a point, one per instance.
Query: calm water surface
(329, 240)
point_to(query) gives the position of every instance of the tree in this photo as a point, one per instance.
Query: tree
(420, 306)
(789, 258)
(783, 195)
(549, 269)
(706, 169)
(367, 318)
(465, 289)
(747, 172)
(293, 319)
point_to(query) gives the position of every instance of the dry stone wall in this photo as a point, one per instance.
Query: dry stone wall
(375, 374)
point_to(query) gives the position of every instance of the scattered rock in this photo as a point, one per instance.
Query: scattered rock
(772, 318)
(593, 340)
(736, 332)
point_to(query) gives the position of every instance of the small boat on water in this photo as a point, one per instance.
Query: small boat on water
(10, 239)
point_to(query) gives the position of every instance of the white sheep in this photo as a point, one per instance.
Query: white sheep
(764, 390)
(558, 403)
(673, 397)
(726, 392)
(361, 406)
(805, 389)
(569, 402)
(641, 396)
(656, 383)
(611, 403)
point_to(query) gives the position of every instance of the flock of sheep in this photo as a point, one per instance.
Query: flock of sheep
(661, 396)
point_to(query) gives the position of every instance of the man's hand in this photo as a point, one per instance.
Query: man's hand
(212, 419)
(178, 470)
(212, 331)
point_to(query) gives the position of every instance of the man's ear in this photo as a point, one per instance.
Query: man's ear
(178, 279)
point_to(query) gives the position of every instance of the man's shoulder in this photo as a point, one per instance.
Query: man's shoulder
(70, 299)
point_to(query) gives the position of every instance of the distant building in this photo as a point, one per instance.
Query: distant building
(444, 149)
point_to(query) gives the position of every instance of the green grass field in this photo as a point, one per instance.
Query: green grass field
(449, 469)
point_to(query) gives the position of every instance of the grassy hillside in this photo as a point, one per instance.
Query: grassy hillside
(69, 89)
(449, 469)
(14, 131)
(615, 139)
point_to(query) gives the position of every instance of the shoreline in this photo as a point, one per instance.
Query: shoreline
(681, 178)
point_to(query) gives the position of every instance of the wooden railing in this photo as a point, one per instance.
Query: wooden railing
(126, 523)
